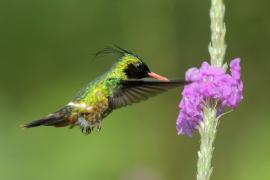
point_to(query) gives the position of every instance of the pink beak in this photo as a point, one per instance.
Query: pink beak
(156, 76)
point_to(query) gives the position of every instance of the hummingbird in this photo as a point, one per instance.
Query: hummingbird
(127, 82)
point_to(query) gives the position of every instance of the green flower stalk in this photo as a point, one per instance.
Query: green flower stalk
(208, 127)
(207, 130)
(209, 92)
(217, 46)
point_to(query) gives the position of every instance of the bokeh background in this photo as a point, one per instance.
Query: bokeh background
(46, 56)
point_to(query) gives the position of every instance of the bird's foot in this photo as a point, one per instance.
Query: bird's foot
(99, 126)
(87, 130)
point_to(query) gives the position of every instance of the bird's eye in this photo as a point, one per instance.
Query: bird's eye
(138, 65)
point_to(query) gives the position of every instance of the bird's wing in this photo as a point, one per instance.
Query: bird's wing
(133, 91)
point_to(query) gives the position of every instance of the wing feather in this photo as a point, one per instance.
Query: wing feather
(133, 91)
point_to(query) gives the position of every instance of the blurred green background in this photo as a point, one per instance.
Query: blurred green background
(46, 56)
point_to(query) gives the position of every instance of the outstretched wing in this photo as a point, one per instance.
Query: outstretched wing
(133, 91)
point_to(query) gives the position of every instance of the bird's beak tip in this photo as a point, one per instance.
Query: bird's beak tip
(157, 76)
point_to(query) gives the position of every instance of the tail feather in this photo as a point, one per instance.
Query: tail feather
(57, 119)
(49, 121)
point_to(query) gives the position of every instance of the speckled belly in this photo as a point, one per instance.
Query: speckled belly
(89, 115)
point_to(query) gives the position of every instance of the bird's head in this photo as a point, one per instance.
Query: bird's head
(131, 65)
(139, 70)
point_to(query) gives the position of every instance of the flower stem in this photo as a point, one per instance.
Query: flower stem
(217, 46)
(208, 127)
(207, 132)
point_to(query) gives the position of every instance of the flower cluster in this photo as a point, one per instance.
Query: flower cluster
(208, 83)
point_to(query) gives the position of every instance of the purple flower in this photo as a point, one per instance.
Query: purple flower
(208, 83)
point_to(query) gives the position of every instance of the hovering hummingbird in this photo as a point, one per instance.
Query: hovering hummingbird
(128, 81)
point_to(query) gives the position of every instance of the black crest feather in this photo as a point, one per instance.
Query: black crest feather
(115, 50)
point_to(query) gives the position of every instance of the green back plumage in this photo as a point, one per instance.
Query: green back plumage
(100, 89)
